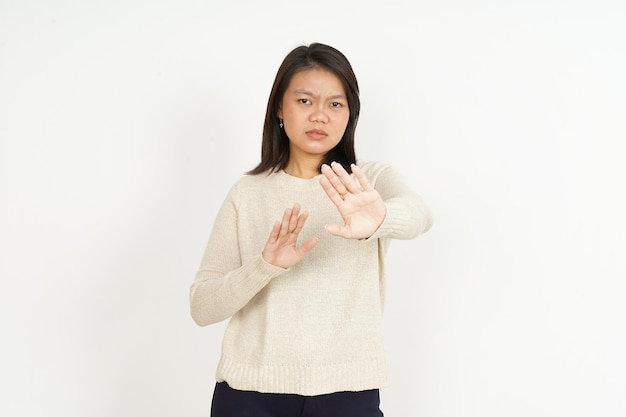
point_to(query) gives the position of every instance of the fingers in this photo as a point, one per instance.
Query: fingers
(300, 223)
(284, 223)
(291, 223)
(334, 179)
(337, 182)
(342, 182)
(293, 219)
(339, 178)
(281, 246)
(331, 191)
(360, 175)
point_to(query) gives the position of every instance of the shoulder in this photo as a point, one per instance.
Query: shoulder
(250, 180)
(374, 169)
(250, 184)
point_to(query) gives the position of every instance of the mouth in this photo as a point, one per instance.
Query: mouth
(316, 134)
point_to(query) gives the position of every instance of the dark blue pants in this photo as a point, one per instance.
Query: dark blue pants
(229, 402)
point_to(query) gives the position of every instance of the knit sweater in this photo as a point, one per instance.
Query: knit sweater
(314, 328)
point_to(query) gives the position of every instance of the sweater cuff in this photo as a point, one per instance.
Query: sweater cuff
(260, 274)
(398, 222)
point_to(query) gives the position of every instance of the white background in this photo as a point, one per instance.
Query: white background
(123, 124)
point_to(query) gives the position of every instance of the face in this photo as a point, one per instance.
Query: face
(315, 113)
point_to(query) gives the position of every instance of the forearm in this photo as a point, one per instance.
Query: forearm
(406, 218)
(407, 214)
(214, 296)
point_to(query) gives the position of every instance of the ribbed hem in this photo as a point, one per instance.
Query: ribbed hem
(304, 380)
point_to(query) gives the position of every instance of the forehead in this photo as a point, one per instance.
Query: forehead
(316, 80)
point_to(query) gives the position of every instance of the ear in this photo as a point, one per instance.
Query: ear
(279, 112)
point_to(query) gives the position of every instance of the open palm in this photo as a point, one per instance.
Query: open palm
(281, 247)
(360, 205)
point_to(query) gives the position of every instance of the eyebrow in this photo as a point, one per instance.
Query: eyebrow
(308, 93)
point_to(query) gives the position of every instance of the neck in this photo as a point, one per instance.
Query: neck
(303, 168)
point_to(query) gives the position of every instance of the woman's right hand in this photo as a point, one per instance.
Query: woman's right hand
(280, 249)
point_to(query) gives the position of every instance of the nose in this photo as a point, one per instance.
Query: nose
(319, 115)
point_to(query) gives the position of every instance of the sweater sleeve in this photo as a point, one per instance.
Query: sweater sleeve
(407, 215)
(224, 284)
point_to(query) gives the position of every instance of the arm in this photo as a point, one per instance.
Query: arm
(381, 208)
(224, 284)
(407, 215)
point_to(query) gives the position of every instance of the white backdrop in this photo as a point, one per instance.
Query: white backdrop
(123, 123)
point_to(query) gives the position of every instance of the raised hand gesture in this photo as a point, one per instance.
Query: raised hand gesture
(280, 249)
(360, 205)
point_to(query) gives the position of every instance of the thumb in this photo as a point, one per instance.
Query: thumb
(308, 245)
(337, 230)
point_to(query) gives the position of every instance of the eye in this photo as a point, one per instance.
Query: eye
(304, 101)
(336, 104)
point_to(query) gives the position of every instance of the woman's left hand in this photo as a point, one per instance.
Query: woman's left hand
(360, 205)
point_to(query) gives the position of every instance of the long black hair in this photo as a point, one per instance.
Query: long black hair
(275, 146)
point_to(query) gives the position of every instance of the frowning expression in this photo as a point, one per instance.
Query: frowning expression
(315, 113)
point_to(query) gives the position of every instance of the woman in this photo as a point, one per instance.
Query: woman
(305, 299)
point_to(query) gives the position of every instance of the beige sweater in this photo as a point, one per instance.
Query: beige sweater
(316, 327)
